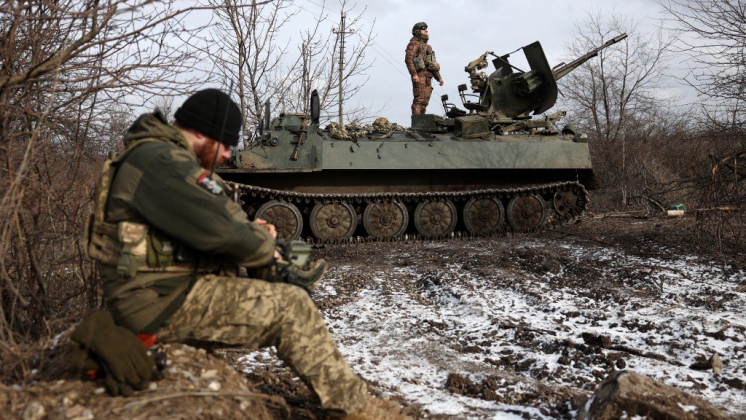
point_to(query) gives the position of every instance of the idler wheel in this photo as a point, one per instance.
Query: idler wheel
(566, 201)
(435, 218)
(333, 221)
(285, 216)
(483, 216)
(528, 212)
(386, 219)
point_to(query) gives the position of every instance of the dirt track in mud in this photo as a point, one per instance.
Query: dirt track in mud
(528, 326)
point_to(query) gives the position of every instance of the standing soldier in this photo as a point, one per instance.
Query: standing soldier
(422, 66)
(169, 242)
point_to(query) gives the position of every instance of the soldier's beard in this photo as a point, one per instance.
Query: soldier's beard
(206, 155)
(424, 37)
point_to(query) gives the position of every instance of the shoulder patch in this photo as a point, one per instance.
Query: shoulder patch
(410, 47)
(209, 184)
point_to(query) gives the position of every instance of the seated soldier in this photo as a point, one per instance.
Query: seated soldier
(170, 243)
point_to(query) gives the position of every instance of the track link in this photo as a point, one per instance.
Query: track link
(557, 210)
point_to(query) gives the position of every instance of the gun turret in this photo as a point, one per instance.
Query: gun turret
(509, 96)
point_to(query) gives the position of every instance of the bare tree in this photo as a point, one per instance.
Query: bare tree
(712, 35)
(620, 85)
(615, 98)
(70, 71)
(246, 47)
(319, 67)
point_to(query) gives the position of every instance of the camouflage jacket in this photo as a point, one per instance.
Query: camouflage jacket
(159, 183)
(418, 50)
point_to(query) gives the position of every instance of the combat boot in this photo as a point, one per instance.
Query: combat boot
(377, 409)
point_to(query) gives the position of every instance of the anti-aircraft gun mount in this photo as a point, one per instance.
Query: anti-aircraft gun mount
(505, 99)
(479, 172)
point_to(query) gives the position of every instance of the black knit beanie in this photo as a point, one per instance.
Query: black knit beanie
(213, 113)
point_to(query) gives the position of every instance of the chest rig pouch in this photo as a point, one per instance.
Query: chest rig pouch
(130, 246)
(419, 63)
(430, 62)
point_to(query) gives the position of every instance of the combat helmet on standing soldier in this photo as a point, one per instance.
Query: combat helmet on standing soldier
(422, 66)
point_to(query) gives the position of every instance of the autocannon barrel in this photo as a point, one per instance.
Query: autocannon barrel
(563, 69)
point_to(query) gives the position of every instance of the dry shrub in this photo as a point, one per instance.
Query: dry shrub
(721, 222)
(69, 69)
(724, 231)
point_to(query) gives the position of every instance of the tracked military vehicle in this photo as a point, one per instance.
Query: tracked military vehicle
(497, 165)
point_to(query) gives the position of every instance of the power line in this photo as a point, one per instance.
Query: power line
(379, 50)
(396, 67)
(322, 6)
(322, 18)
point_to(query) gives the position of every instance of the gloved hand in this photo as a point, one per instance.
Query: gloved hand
(306, 276)
(83, 362)
(118, 352)
(292, 265)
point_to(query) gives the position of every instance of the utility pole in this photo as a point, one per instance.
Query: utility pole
(341, 33)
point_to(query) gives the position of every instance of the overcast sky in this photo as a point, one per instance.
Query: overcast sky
(462, 30)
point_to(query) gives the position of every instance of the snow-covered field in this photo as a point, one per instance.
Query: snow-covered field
(516, 328)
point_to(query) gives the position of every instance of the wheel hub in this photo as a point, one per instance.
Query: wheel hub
(333, 221)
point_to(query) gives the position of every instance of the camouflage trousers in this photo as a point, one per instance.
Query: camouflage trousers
(249, 313)
(422, 91)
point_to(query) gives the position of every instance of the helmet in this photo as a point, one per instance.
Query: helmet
(569, 129)
(417, 26)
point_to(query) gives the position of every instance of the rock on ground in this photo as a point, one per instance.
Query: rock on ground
(628, 394)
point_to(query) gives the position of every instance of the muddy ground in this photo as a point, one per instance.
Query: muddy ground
(528, 326)
(515, 327)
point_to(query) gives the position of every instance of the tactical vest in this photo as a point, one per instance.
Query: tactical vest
(424, 59)
(135, 247)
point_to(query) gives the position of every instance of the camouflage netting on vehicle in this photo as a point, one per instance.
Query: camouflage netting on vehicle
(381, 128)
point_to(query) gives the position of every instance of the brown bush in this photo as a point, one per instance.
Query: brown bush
(67, 73)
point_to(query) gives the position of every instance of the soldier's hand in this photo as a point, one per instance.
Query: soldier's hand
(116, 350)
(270, 227)
(306, 277)
(416, 78)
(440, 82)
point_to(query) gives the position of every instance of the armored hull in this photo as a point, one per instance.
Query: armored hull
(391, 184)
(488, 169)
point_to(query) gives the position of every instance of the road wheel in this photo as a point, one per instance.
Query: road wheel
(527, 212)
(333, 221)
(483, 216)
(435, 218)
(385, 220)
(285, 216)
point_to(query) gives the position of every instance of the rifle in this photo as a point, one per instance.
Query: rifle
(301, 136)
